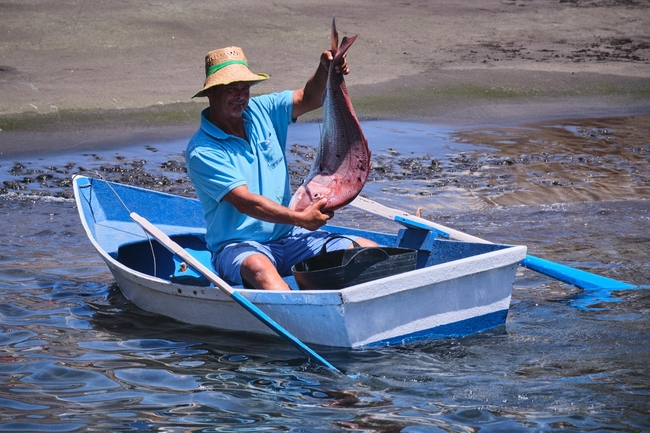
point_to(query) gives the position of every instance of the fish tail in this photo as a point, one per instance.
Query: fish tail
(335, 36)
(345, 44)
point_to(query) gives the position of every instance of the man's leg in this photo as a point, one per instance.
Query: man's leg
(249, 264)
(258, 272)
(365, 243)
(254, 264)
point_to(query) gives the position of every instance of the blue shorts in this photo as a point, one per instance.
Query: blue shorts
(301, 244)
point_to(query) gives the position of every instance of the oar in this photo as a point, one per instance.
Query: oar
(567, 274)
(225, 287)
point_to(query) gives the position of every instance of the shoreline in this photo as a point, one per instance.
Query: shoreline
(83, 137)
(96, 130)
(469, 99)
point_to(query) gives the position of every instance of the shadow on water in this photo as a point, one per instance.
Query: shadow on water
(75, 355)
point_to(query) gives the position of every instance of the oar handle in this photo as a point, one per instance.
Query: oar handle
(409, 220)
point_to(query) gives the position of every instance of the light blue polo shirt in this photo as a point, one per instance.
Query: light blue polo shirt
(218, 162)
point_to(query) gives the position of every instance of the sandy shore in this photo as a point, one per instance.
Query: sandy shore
(92, 74)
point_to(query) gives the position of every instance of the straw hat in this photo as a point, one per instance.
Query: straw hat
(225, 66)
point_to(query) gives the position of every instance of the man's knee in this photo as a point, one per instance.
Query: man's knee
(256, 263)
(257, 271)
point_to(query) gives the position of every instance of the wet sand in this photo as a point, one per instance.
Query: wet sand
(79, 76)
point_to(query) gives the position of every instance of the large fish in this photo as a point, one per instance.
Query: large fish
(342, 163)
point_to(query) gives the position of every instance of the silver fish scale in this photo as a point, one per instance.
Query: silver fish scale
(343, 147)
(342, 162)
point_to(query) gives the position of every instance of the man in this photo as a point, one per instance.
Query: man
(237, 165)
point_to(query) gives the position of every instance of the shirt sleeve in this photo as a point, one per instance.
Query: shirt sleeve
(212, 171)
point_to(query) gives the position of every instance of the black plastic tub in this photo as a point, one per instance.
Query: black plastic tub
(344, 268)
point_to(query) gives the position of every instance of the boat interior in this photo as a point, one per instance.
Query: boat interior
(151, 258)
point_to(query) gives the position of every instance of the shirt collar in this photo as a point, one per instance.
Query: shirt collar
(216, 132)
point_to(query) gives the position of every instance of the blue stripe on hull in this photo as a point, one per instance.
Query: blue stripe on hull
(457, 329)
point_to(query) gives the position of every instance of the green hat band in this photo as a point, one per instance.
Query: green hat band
(218, 66)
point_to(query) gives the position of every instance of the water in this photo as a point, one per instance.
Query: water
(76, 356)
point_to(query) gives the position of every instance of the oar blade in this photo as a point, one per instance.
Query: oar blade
(259, 314)
(582, 279)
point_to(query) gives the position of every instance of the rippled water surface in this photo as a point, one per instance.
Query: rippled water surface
(76, 356)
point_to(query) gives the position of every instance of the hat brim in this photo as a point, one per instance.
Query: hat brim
(230, 74)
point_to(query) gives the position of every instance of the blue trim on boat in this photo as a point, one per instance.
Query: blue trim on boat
(462, 328)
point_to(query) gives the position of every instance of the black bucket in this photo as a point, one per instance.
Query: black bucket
(344, 268)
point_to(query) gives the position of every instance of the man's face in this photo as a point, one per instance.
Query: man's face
(230, 100)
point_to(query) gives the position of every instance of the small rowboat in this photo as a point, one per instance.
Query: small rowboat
(457, 288)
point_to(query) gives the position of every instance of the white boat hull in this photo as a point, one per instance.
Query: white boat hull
(416, 305)
(462, 288)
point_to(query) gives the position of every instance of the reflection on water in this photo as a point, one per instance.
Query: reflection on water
(76, 356)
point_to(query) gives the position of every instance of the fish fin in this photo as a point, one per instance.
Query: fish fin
(335, 36)
(337, 51)
(345, 44)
